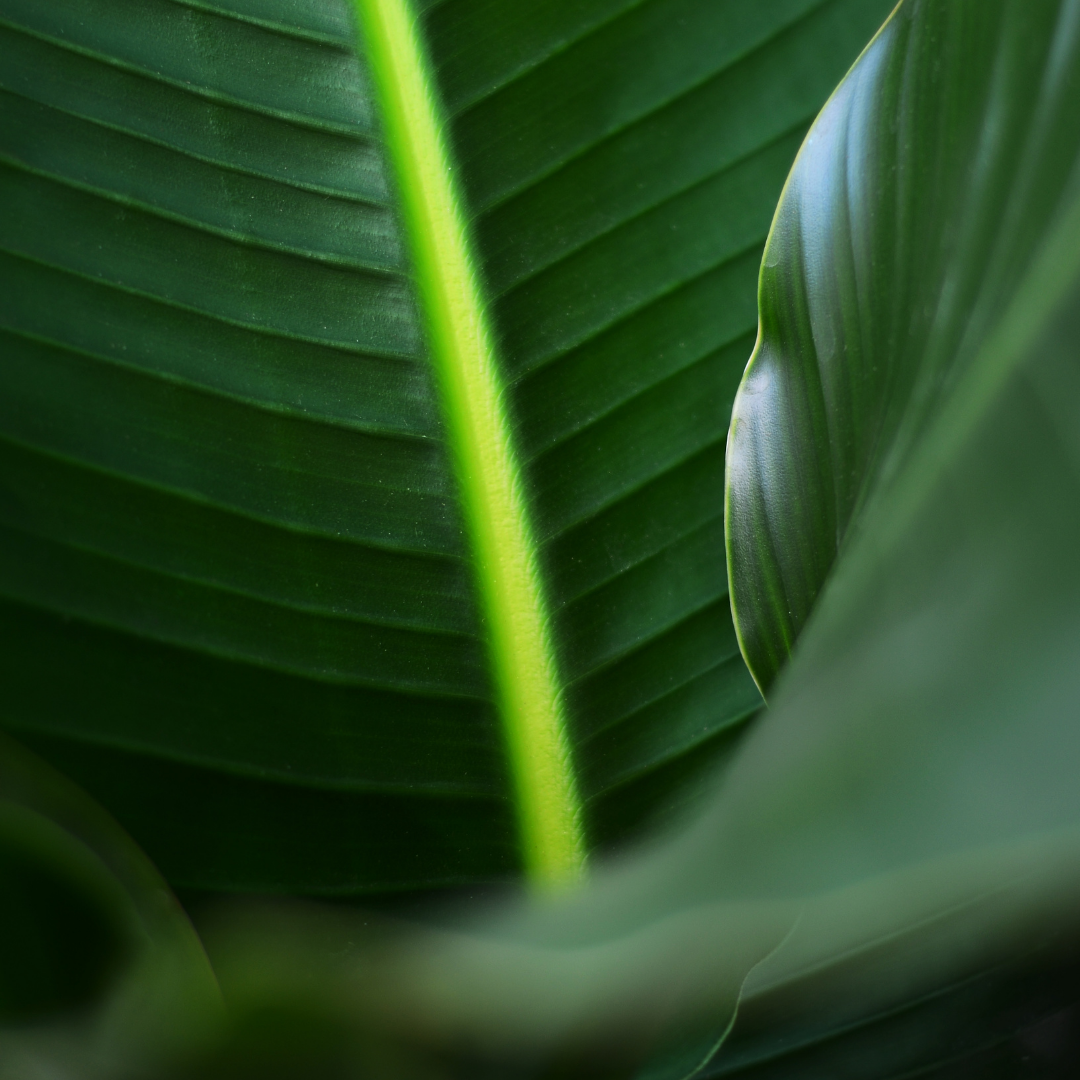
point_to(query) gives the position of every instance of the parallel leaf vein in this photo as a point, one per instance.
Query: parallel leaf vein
(539, 60)
(624, 316)
(645, 210)
(260, 405)
(356, 349)
(655, 108)
(247, 240)
(300, 119)
(260, 773)
(201, 499)
(625, 493)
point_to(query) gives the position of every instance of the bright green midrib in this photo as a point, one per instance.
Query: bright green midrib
(525, 677)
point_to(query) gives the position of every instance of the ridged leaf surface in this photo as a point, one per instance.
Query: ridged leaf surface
(907, 226)
(885, 882)
(238, 592)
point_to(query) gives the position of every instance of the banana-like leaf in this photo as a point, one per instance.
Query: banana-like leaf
(100, 970)
(904, 821)
(250, 583)
(905, 231)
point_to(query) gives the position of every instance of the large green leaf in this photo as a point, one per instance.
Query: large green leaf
(901, 830)
(905, 230)
(240, 593)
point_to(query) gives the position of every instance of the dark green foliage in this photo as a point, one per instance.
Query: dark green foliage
(907, 228)
(882, 881)
(235, 595)
(59, 942)
(100, 971)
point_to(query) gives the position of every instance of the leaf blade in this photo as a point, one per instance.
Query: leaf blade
(855, 355)
(230, 510)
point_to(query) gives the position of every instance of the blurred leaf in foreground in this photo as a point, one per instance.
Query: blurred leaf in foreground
(101, 974)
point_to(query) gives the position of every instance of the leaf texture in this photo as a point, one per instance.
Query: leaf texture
(885, 883)
(859, 348)
(618, 212)
(237, 597)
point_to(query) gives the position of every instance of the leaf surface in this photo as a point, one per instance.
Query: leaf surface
(908, 804)
(906, 229)
(885, 883)
(240, 598)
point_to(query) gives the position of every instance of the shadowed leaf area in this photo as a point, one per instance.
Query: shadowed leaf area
(59, 943)
(101, 974)
(236, 595)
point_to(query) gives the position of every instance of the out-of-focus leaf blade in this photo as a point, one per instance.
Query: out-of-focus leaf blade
(101, 973)
(235, 596)
(1012, 1021)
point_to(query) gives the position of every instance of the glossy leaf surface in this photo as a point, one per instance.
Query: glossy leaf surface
(238, 600)
(906, 228)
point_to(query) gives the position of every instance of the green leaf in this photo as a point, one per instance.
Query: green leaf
(898, 838)
(904, 232)
(100, 969)
(940, 659)
(247, 598)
